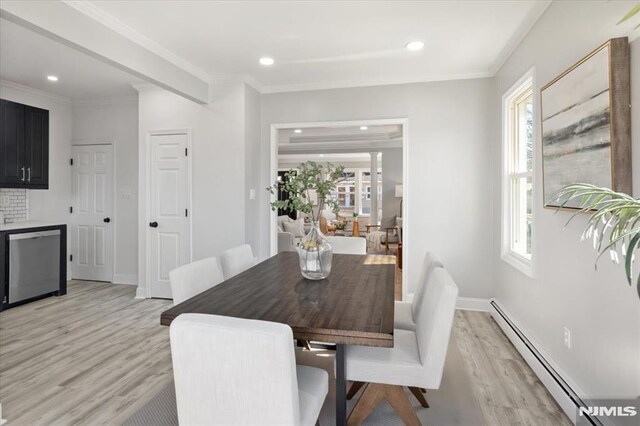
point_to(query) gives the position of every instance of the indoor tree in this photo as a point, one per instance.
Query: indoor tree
(309, 178)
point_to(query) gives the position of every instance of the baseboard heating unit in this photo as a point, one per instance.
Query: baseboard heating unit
(562, 392)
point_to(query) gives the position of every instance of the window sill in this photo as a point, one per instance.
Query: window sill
(519, 262)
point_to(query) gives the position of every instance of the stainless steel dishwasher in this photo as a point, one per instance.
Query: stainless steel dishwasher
(34, 264)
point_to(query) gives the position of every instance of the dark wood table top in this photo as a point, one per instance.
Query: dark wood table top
(353, 306)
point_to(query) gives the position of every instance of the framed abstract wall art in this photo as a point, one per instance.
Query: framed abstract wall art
(586, 123)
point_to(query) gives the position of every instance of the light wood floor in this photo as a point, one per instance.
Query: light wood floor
(97, 355)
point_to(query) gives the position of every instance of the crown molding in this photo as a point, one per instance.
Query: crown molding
(32, 91)
(247, 79)
(523, 30)
(113, 23)
(367, 83)
(366, 138)
(253, 82)
(146, 87)
(117, 100)
(346, 146)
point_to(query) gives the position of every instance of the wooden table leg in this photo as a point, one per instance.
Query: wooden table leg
(341, 387)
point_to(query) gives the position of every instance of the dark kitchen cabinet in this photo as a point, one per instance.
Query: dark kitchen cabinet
(24, 146)
(11, 143)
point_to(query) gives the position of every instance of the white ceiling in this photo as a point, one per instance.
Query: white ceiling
(343, 139)
(26, 58)
(322, 158)
(330, 44)
(339, 133)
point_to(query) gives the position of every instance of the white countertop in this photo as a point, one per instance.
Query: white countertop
(27, 224)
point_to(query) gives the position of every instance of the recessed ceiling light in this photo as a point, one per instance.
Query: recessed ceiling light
(52, 78)
(266, 61)
(321, 155)
(415, 45)
(363, 127)
(297, 131)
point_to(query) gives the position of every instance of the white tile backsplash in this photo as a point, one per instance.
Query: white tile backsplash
(14, 205)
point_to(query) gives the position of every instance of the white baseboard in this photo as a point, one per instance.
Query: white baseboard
(141, 292)
(473, 304)
(466, 303)
(125, 279)
(563, 389)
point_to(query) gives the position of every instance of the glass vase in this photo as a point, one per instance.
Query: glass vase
(315, 254)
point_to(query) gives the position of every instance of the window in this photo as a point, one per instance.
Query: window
(353, 193)
(346, 191)
(517, 187)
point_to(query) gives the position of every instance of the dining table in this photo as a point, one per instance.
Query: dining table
(353, 306)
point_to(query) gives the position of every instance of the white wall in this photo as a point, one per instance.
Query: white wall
(116, 121)
(50, 204)
(449, 165)
(600, 309)
(252, 167)
(391, 176)
(217, 130)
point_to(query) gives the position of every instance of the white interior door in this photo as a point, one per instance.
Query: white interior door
(92, 215)
(169, 229)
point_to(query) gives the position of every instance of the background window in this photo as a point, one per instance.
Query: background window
(518, 175)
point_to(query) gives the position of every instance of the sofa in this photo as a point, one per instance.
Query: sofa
(288, 240)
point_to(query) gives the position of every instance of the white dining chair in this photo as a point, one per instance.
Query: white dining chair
(194, 278)
(232, 371)
(236, 260)
(407, 312)
(348, 245)
(416, 359)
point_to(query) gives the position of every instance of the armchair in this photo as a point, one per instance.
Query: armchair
(391, 235)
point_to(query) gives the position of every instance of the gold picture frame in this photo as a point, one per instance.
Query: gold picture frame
(586, 123)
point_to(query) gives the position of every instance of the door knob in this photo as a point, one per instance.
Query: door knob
(153, 224)
(106, 220)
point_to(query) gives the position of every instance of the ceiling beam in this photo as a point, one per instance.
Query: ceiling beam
(70, 26)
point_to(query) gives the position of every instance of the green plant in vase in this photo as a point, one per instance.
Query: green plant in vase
(309, 190)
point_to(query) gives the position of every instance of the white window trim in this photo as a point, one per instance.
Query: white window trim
(511, 257)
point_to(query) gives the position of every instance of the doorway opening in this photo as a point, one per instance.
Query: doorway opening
(371, 193)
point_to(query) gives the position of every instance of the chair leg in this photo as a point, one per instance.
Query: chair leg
(400, 403)
(304, 344)
(353, 390)
(373, 395)
(369, 400)
(417, 392)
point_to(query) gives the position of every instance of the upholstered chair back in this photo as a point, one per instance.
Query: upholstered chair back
(236, 260)
(348, 245)
(194, 278)
(431, 261)
(433, 325)
(232, 371)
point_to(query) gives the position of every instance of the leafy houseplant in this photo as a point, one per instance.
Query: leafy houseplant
(310, 178)
(614, 221)
(634, 10)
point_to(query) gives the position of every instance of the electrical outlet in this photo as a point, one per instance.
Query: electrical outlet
(252, 194)
(567, 338)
